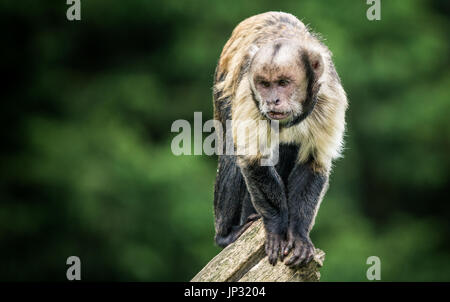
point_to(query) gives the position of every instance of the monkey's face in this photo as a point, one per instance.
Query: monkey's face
(279, 81)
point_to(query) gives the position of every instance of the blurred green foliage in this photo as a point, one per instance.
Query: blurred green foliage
(86, 165)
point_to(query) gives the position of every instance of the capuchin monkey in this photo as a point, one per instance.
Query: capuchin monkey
(273, 68)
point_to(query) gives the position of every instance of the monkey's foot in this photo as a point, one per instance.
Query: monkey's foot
(303, 251)
(275, 244)
(235, 233)
(253, 217)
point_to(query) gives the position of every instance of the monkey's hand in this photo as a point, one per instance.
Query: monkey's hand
(303, 250)
(275, 244)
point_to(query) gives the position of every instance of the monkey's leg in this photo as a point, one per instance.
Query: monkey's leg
(305, 188)
(269, 199)
(248, 210)
(229, 192)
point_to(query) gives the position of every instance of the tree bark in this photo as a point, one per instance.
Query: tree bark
(245, 261)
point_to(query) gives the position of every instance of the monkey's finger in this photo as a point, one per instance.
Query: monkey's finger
(313, 252)
(300, 253)
(268, 245)
(289, 247)
(301, 258)
(310, 257)
(274, 247)
(292, 260)
(294, 257)
(270, 254)
(306, 257)
(282, 249)
(273, 257)
(274, 260)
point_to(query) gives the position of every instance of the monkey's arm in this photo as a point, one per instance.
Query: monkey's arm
(305, 186)
(268, 196)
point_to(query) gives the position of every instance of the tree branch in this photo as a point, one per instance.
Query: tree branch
(245, 261)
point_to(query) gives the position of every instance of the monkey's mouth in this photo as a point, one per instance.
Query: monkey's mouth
(277, 115)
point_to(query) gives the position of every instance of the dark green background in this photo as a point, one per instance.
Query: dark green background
(86, 164)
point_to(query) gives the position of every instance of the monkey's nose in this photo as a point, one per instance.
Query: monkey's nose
(274, 102)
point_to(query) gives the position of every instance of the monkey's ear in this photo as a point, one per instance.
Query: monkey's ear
(316, 62)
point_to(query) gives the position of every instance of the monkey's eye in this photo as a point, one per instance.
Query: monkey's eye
(264, 84)
(283, 83)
